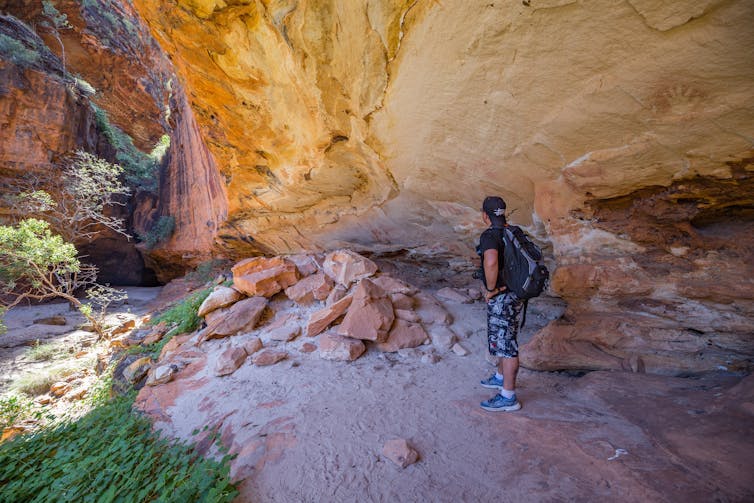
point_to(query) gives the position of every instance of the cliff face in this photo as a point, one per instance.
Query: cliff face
(621, 136)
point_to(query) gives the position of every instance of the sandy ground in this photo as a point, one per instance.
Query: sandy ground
(308, 429)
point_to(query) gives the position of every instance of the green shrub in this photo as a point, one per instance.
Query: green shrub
(160, 231)
(15, 408)
(111, 453)
(17, 52)
(183, 314)
(42, 352)
(140, 169)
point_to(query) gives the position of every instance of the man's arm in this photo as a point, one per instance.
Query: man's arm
(490, 273)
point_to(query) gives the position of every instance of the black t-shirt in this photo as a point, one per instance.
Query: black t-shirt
(492, 239)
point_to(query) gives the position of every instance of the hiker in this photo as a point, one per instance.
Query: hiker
(503, 310)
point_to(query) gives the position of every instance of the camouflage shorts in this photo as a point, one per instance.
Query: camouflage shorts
(502, 324)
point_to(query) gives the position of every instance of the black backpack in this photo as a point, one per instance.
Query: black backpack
(524, 272)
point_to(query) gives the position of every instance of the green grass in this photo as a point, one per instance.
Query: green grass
(39, 381)
(109, 454)
(17, 52)
(183, 314)
(43, 352)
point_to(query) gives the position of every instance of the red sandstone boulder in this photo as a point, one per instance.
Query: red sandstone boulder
(337, 347)
(370, 315)
(442, 337)
(400, 452)
(221, 296)
(321, 319)
(430, 311)
(242, 316)
(403, 335)
(401, 301)
(403, 314)
(306, 264)
(261, 276)
(156, 334)
(346, 267)
(337, 293)
(314, 287)
(268, 357)
(285, 333)
(229, 360)
(392, 285)
(252, 345)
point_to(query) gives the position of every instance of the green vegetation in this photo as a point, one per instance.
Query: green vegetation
(207, 271)
(18, 53)
(140, 169)
(109, 454)
(15, 408)
(183, 314)
(42, 352)
(160, 231)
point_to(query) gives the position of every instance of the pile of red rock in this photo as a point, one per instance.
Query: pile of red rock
(351, 305)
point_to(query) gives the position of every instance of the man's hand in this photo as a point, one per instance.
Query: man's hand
(489, 295)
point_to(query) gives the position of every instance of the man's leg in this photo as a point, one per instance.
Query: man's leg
(508, 367)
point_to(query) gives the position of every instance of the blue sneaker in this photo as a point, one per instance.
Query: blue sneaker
(499, 402)
(493, 382)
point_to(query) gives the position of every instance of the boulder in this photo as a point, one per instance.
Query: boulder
(260, 276)
(51, 320)
(229, 360)
(268, 357)
(393, 285)
(430, 311)
(346, 267)
(285, 333)
(320, 320)
(309, 289)
(408, 315)
(78, 393)
(241, 316)
(459, 350)
(337, 347)
(137, 369)
(221, 296)
(400, 452)
(337, 293)
(174, 343)
(161, 374)
(401, 300)
(404, 334)
(305, 264)
(370, 315)
(156, 334)
(442, 337)
(454, 295)
(252, 345)
(122, 328)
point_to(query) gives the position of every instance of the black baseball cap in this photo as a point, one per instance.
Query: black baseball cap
(494, 207)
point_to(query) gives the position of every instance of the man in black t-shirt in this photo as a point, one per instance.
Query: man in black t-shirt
(503, 310)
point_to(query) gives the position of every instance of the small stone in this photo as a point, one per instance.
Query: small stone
(43, 400)
(241, 316)
(337, 293)
(285, 334)
(431, 358)
(252, 345)
(78, 393)
(460, 350)
(442, 337)
(337, 347)
(307, 347)
(400, 452)
(123, 328)
(403, 314)
(59, 389)
(229, 360)
(269, 357)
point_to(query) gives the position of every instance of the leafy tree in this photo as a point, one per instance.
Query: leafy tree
(87, 185)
